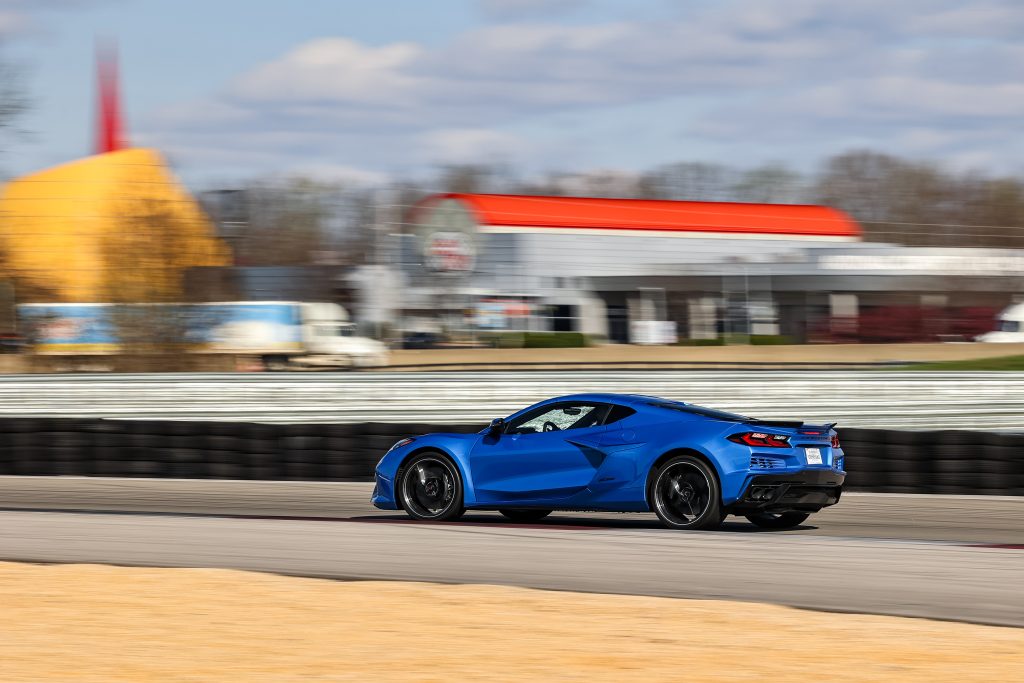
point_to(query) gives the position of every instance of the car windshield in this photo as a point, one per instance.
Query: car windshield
(700, 410)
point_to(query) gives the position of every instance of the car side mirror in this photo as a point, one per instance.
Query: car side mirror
(497, 426)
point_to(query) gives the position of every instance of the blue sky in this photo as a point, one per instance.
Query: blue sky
(362, 91)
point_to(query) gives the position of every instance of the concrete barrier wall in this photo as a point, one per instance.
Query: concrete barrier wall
(876, 460)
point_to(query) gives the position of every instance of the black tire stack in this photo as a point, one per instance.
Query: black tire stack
(876, 460)
(906, 463)
(865, 456)
(1002, 463)
(956, 459)
(949, 461)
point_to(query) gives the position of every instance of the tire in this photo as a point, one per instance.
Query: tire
(430, 488)
(524, 515)
(782, 520)
(685, 494)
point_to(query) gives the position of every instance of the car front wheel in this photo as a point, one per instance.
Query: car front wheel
(430, 488)
(685, 494)
(778, 520)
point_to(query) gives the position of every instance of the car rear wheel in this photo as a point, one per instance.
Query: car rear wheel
(525, 514)
(685, 494)
(430, 488)
(778, 520)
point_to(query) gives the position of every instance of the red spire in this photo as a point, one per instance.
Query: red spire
(109, 131)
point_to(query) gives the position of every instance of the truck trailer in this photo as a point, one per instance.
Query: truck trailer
(284, 334)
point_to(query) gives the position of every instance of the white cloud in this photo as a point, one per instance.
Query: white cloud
(338, 70)
(469, 145)
(796, 75)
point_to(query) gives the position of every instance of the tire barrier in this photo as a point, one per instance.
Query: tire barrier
(200, 450)
(888, 461)
(949, 461)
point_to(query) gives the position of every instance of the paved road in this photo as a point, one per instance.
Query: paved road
(964, 519)
(942, 557)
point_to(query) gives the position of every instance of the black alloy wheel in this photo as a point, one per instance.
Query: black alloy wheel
(430, 488)
(685, 494)
(778, 520)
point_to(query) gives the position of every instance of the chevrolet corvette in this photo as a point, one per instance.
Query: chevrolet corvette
(691, 466)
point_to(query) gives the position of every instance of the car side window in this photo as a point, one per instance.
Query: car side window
(617, 413)
(558, 417)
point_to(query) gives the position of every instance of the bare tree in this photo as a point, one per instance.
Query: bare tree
(769, 184)
(13, 98)
(694, 181)
(473, 178)
(13, 103)
(291, 222)
(144, 258)
(918, 203)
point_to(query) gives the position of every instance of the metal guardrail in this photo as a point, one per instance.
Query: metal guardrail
(883, 399)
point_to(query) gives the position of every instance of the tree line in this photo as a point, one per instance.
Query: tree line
(300, 221)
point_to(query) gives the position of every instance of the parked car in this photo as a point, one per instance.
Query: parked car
(420, 340)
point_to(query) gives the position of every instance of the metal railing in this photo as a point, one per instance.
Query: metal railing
(882, 399)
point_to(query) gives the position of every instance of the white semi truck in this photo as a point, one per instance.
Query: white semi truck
(284, 334)
(1009, 327)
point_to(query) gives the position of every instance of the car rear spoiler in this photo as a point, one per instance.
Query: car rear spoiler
(794, 424)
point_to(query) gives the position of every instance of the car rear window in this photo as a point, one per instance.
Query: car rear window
(700, 410)
(618, 413)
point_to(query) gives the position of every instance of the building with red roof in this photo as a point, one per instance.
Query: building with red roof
(630, 270)
(513, 213)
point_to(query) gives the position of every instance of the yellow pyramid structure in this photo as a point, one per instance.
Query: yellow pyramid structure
(107, 227)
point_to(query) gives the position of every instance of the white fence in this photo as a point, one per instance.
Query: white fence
(883, 399)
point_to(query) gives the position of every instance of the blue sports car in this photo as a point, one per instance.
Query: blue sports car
(690, 465)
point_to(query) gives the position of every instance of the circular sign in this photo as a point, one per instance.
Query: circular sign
(448, 235)
(449, 251)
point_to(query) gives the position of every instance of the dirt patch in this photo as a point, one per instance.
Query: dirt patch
(697, 355)
(76, 623)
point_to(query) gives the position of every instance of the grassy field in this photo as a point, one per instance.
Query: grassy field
(1008, 363)
(87, 623)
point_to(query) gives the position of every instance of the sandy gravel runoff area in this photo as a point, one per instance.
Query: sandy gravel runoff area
(72, 623)
(697, 355)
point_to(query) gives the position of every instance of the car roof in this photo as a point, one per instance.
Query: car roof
(610, 398)
(642, 402)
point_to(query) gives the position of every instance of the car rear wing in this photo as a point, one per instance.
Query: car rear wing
(791, 424)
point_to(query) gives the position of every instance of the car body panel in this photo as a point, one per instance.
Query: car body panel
(536, 468)
(607, 466)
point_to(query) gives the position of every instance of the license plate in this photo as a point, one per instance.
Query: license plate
(813, 456)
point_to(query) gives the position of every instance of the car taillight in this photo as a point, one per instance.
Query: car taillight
(835, 441)
(761, 439)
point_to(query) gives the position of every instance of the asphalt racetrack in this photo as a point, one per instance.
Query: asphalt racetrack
(946, 557)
